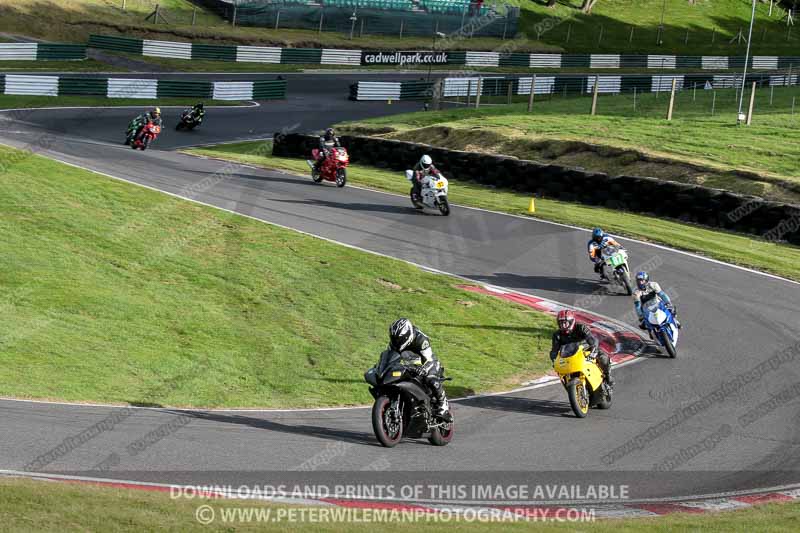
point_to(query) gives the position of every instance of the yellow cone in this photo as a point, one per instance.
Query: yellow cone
(532, 205)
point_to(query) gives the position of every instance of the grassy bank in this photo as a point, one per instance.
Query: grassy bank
(695, 147)
(116, 293)
(34, 67)
(614, 26)
(41, 506)
(779, 259)
(24, 101)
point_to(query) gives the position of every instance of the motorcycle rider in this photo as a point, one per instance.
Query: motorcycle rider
(405, 336)
(646, 290)
(422, 171)
(136, 125)
(324, 148)
(600, 240)
(570, 331)
(197, 113)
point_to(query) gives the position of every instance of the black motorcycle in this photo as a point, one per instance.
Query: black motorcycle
(188, 121)
(403, 402)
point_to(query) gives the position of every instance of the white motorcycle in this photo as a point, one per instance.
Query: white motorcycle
(433, 193)
(615, 265)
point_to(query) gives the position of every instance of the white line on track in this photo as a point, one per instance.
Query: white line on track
(311, 497)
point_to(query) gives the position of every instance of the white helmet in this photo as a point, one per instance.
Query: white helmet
(426, 161)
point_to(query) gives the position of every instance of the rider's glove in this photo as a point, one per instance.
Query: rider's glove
(641, 324)
(416, 370)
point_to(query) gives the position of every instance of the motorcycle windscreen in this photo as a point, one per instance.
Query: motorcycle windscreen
(568, 350)
(388, 359)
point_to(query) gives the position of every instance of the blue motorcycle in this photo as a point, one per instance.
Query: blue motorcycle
(661, 324)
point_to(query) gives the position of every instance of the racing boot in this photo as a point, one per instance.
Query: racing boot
(443, 410)
(442, 405)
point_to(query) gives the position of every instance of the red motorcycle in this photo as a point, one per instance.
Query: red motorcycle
(333, 168)
(148, 134)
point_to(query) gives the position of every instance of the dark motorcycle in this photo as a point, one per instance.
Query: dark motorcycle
(403, 402)
(188, 121)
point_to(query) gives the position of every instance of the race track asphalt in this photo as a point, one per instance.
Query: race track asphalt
(734, 321)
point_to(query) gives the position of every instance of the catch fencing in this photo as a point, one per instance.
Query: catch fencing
(402, 58)
(42, 52)
(558, 84)
(133, 88)
(360, 21)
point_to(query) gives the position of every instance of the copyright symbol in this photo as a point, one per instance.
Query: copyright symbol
(204, 514)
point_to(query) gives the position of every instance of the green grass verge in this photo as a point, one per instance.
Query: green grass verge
(41, 506)
(770, 145)
(780, 259)
(710, 26)
(770, 148)
(21, 101)
(33, 67)
(116, 293)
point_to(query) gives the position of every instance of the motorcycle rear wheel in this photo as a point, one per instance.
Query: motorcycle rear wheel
(380, 411)
(604, 401)
(442, 438)
(667, 344)
(444, 207)
(316, 176)
(414, 202)
(578, 397)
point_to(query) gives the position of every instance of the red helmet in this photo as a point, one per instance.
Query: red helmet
(566, 321)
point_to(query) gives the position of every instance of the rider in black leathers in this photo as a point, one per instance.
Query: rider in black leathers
(404, 336)
(570, 331)
(198, 113)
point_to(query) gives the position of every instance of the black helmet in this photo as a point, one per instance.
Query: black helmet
(329, 132)
(401, 334)
(199, 106)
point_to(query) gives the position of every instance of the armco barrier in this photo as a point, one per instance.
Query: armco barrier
(691, 203)
(41, 52)
(325, 56)
(560, 83)
(34, 85)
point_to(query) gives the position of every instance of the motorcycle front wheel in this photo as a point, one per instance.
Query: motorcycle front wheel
(578, 397)
(387, 430)
(441, 437)
(444, 207)
(626, 280)
(341, 177)
(667, 344)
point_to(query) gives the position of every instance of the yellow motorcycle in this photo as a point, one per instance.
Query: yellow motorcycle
(582, 378)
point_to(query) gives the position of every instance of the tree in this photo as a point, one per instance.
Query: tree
(587, 6)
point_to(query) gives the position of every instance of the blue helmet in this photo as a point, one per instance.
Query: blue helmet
(597, 235)
(642, 278)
